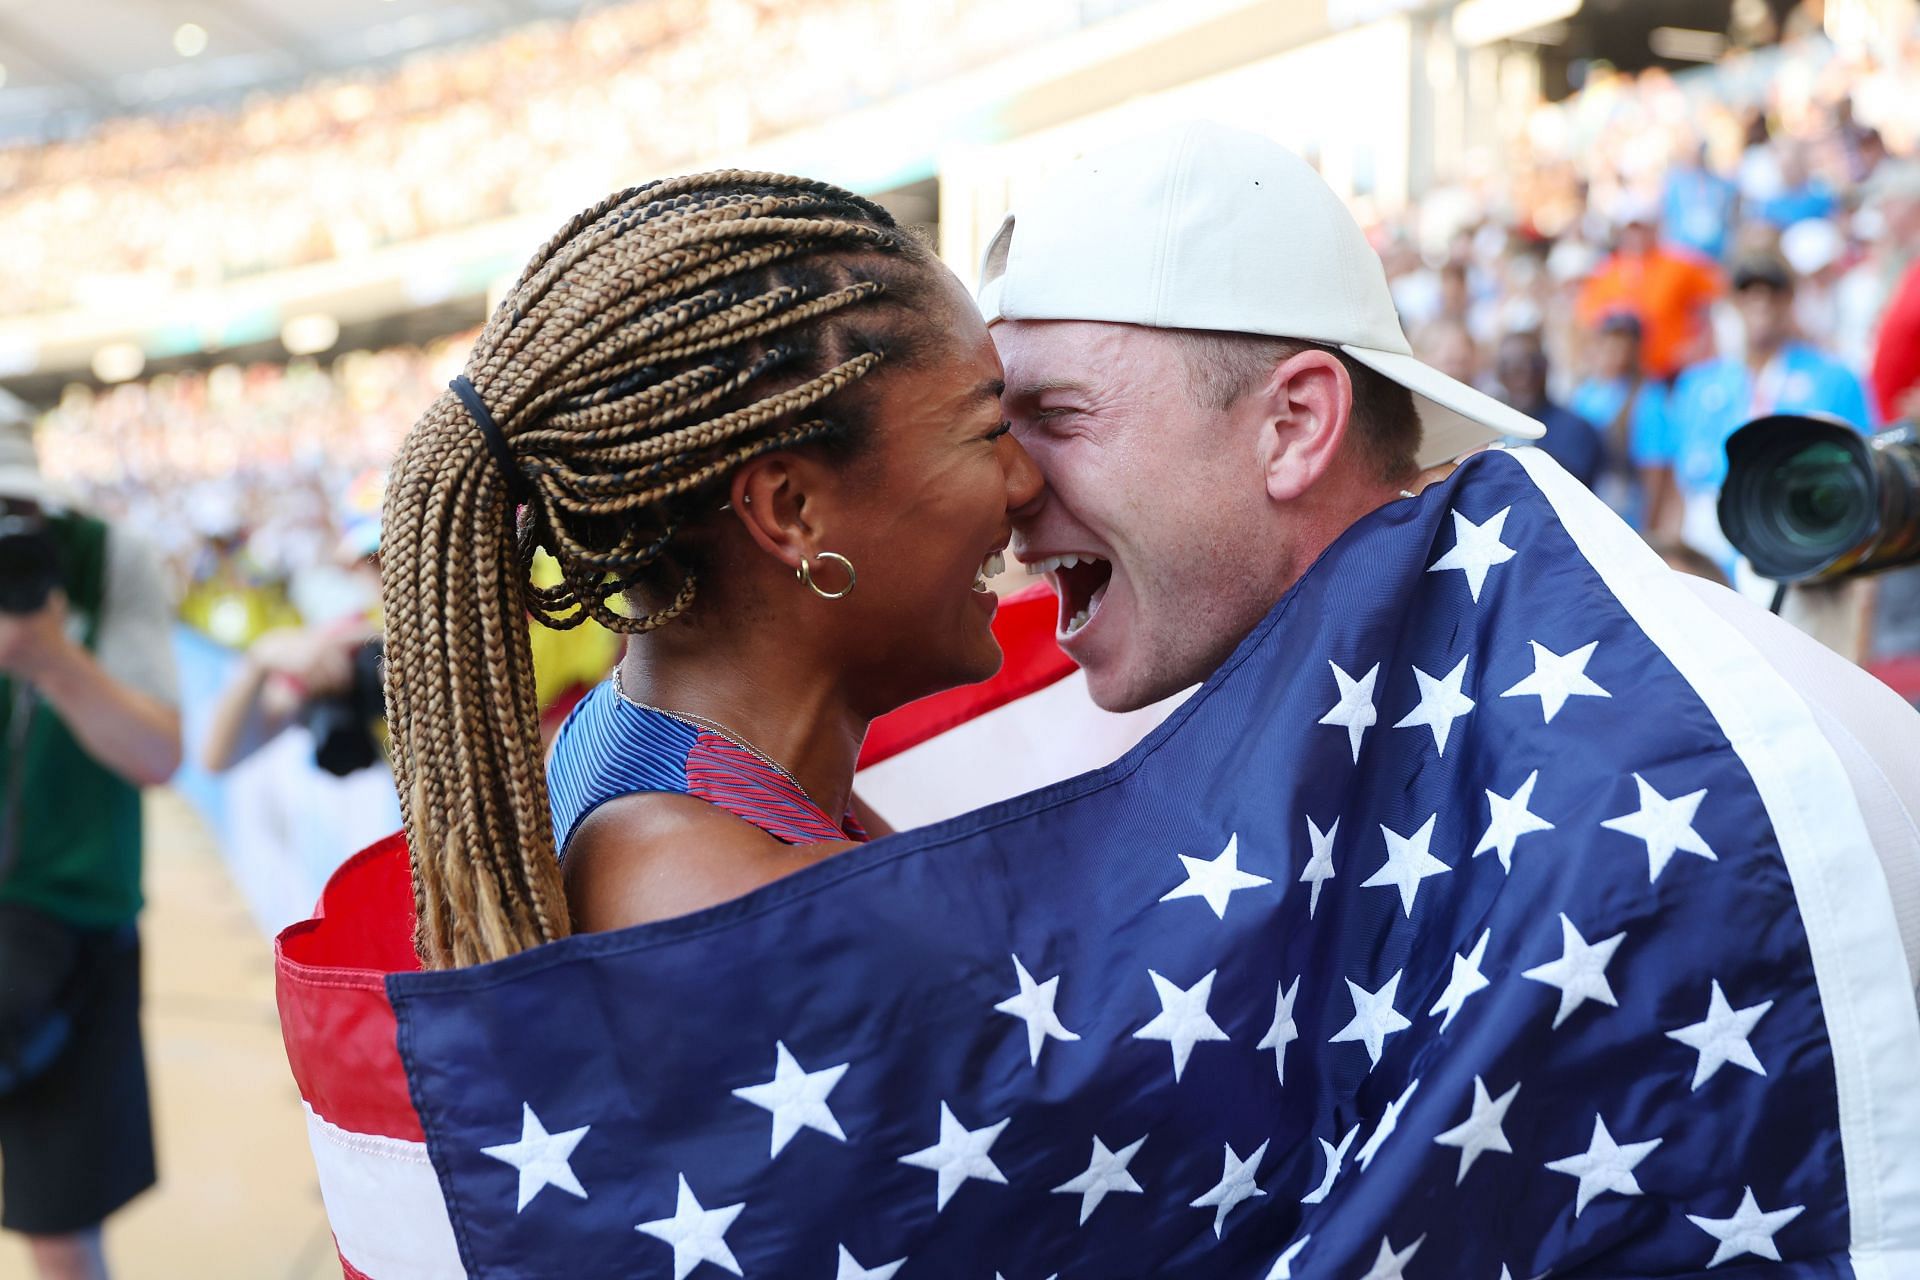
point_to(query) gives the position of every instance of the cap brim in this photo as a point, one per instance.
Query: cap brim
(1454, 418)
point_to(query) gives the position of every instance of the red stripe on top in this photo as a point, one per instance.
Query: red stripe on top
(330, 983)
(727, 776)
(1024, 626)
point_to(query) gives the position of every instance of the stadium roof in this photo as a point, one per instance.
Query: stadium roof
(67, 63)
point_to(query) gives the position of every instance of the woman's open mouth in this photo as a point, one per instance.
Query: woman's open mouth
(990, 568)
(1080, 579)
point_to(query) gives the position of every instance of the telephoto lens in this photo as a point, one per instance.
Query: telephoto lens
(1810, 499)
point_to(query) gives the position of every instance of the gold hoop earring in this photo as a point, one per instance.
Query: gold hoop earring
(805, 574)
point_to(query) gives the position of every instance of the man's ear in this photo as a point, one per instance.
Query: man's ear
(1305, 408)
(775, 498)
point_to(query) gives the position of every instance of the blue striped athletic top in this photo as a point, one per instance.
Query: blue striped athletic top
(609, 748)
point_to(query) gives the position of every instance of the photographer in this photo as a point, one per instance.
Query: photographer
(88, 716)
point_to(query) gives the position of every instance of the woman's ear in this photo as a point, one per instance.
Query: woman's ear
(771, 497)
(1306, 407)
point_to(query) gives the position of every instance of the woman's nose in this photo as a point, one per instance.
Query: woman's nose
(1025, 484)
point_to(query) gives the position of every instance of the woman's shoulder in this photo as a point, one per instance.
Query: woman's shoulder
(654, 855)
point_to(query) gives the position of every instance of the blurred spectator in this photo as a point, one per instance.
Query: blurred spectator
(1520, 369)
(1889, 220)
(1668, 291)
(1697, 205)
(1801, 195)
(1447, 345)
(88, 716)
(1629, 410)
(1779, 373)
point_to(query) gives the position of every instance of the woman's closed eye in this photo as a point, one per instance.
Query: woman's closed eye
(1001, 430)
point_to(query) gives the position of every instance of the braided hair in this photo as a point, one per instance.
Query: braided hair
(662, 338)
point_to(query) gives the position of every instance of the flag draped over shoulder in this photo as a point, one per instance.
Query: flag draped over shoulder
(1492, 911)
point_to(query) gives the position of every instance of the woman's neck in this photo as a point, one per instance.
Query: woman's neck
(771, 695)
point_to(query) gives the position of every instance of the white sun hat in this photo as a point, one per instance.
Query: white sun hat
(1211, 227)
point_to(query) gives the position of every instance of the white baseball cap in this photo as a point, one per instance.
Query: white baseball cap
(1211, 227)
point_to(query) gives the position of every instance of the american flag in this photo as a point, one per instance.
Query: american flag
(1490, 914)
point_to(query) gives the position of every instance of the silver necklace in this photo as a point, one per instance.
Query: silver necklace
(687, 717)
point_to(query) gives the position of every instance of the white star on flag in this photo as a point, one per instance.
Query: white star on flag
(1354, 711)
(1034, 1006)
(1216, 879)
(1283, 1265)
(1481, 1131)
(1374, 1017)
(1580, 972)
(1283, 1032)
(850, 1268)
(1476, 549)
(1389, 1121)
(1106, 1173)
(1509, 819)
(1748, 1230)
(1183, 1020)
(541, 1157)
(1319, 867)
(1466, 980)
(1441, 703)
(1557, 677)
(1236, 1184)
(1665, 825)
(1336, 1158)
(960, 1154)
(1407, 864)
(1722, 1036)
(1391, 1263)
(1604, 1166)
(796, 1097)
(697, 1235)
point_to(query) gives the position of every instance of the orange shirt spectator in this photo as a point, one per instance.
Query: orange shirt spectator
(1668, 290)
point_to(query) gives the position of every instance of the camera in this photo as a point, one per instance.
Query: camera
(1810, 499)
(344, 727)
(29, 562)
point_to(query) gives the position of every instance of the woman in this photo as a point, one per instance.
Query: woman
(758, 426)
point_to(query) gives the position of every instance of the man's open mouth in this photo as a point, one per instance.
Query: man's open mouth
(1080, 579)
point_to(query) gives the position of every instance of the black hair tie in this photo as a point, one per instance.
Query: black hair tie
(490, 432)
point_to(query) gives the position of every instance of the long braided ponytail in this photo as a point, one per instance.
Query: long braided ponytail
(663, 337)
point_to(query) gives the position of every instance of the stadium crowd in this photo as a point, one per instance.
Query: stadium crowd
(1612, 276)
(563, 112)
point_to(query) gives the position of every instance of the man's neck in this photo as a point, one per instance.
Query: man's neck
(1760, 355)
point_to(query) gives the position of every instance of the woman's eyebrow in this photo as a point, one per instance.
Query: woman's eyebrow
(1034, 390)
(991, 389)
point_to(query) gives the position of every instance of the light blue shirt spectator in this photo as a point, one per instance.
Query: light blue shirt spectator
(1697, 210)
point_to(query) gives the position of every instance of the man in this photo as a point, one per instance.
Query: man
(1520, 368)
(1778, 373)
(88, 704)
(1668, 289)
(1630, 409)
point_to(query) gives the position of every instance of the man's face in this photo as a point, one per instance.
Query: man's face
(1767, 313)
(1160, 498)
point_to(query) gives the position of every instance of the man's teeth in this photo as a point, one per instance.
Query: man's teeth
(1052, 563)
(992, 567)
(1078, 620)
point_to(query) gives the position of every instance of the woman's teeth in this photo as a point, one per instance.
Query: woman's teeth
(1078, 620)
(992, 567)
